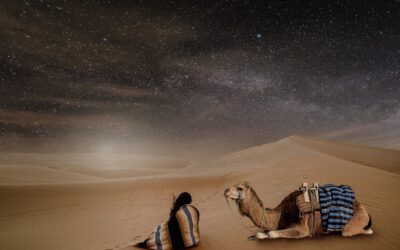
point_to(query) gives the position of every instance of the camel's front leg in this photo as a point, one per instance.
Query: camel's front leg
(294, 233)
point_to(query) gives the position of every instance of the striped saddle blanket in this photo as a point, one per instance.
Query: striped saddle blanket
(336, 204)
(188, 227)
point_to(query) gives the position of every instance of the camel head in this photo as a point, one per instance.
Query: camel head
(238, 192)
(244, 196)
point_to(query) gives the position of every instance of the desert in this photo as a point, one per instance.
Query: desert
(73, 201)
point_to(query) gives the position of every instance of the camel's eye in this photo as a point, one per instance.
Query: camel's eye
(239, 188)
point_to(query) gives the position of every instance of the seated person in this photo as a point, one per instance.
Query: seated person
(180, 231)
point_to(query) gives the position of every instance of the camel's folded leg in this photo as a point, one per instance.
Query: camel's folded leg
(295, 233)
(262, 235)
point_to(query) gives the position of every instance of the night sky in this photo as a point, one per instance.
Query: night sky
(192, 76)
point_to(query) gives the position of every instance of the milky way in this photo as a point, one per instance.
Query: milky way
(187, 76)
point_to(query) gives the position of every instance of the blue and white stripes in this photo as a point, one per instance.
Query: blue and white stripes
(336, 206)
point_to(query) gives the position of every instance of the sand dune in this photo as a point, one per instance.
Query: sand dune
(72, 204)
(386, 159)
(384, 134)
(55, 168)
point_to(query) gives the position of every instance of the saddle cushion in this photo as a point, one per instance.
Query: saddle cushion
(336, 204)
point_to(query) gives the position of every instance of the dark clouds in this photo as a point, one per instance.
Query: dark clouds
(155, 76)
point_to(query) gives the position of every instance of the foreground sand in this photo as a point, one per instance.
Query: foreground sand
(104, 202)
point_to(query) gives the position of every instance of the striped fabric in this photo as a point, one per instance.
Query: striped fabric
(336, 206)
(188, 220)
(160, 239)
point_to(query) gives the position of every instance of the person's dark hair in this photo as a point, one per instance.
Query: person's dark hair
(183, 199)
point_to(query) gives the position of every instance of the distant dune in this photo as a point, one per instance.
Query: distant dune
(384, 134)
(39, 168)
(77, 201)
(386, 159)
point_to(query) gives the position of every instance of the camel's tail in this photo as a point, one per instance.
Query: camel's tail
(369, 223)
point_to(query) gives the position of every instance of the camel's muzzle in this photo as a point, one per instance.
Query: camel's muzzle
(233, 194)
(226, 193)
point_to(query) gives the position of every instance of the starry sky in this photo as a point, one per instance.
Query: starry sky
(192, 76)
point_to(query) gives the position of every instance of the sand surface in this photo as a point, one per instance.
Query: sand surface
(78, 201)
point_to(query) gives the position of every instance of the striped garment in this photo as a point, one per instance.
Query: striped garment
(336, 206)
(181, 231)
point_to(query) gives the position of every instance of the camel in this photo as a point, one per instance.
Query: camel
(286, 221)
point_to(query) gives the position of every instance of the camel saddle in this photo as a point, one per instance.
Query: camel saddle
(308, 202)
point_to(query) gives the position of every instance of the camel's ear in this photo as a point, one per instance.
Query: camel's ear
(246, 184)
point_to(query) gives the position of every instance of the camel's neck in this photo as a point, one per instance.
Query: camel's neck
(264, 218)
